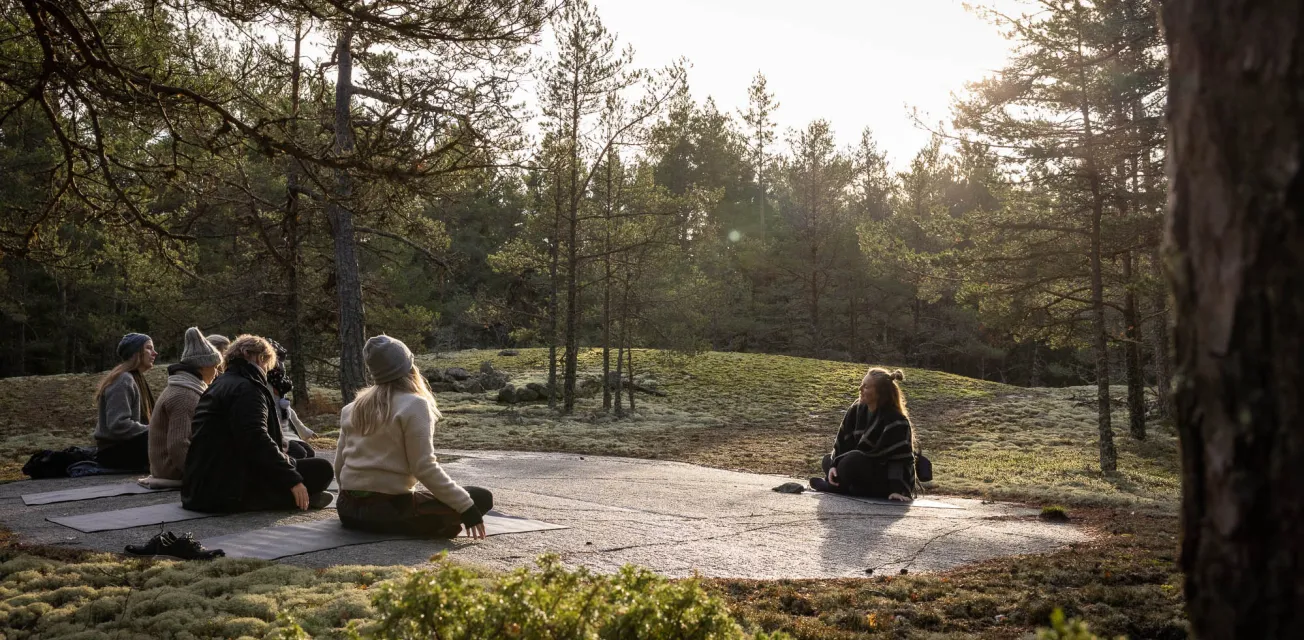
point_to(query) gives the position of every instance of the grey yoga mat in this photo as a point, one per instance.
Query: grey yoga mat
(320, 535)
(917, 502)
(151, 515)
(88, 493)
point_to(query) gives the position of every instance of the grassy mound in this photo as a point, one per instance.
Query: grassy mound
(743, 411)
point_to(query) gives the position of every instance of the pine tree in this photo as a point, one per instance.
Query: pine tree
(760, 131)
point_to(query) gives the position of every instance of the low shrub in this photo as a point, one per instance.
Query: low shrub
(1061, 629)
(551, 602)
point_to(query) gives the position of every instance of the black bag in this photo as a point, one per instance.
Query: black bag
(54, 464)
(923, 468)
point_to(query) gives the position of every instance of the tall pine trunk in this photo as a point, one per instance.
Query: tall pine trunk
(572, 251)
(606, 294)
(554, 285)
(1099, 331)
(1236, 236)
(298, 361)
(1136, 384)
(348, 283)
(1159, 338)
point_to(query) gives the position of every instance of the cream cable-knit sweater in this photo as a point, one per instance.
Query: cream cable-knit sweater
(169, 426)
(393, 457)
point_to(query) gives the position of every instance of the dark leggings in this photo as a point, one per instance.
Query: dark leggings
(416, 514)
(317, 474)
(860, 475)
(299, 450)
(131, 454)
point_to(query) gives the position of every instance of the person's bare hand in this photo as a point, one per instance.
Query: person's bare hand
(898, 497)
(300, 496)
(476, 532)
(833, 476)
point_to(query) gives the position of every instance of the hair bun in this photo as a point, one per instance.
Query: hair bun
(897, 375)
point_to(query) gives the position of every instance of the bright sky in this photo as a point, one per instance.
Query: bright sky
(855, 63)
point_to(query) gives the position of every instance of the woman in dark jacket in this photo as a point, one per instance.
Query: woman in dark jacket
(236, 460)
(874, 454)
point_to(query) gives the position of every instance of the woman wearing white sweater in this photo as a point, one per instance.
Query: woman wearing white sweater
(386, 446)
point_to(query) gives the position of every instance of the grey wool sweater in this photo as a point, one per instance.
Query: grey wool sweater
(119, 412)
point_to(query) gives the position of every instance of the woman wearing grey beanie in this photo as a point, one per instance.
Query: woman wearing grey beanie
(169, 426)
(386, 446)
(123, 403)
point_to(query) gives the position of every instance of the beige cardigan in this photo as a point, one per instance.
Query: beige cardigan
(397, 454)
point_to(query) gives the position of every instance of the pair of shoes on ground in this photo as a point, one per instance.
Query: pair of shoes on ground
(185, 547)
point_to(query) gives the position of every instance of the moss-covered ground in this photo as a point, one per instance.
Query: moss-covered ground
(752, 412)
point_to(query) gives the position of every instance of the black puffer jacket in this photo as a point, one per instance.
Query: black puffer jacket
(235, 446)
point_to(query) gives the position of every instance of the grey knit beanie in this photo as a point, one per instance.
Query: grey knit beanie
(198, 351)
(387, 359)
(220, 341)
(130, 344)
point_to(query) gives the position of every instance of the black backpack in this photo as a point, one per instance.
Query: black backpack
(54, 464)
(923, 468)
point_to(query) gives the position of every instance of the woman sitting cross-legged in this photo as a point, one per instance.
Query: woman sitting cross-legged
(386, 445)
(237, 460)
(874, 454)
(169, 426)
(124, 403)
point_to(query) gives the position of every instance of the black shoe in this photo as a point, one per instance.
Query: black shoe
(320, 500)
(168, 544)
(820, 484)
(154, 546)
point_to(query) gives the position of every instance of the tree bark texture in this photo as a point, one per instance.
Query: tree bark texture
(348, 282)
(1162, 346)
(1099, 330)
(1136, 384)
(1236, 266)
(298, 359)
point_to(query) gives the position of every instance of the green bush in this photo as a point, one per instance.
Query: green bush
(1061, 629)
(550, 603)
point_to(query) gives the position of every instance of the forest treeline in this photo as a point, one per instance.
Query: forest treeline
(319, 171)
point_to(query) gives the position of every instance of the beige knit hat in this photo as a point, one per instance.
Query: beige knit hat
(387, 359)
(198, 351)
(220, 341)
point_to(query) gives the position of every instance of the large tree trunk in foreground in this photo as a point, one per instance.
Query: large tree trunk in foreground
(353, 373)
(1236, 235)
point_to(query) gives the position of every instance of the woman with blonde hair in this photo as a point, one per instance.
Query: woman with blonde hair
(874, 454)
(386, 446)
(237, 460)
(124, 403)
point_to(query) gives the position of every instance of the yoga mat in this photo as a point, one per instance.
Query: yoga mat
(917, 502)
(320, 535)
(151, 515)
(88, 493)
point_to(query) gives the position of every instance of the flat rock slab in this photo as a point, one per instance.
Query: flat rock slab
(674, 518)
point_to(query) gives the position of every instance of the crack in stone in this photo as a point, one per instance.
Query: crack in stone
(918, 552)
